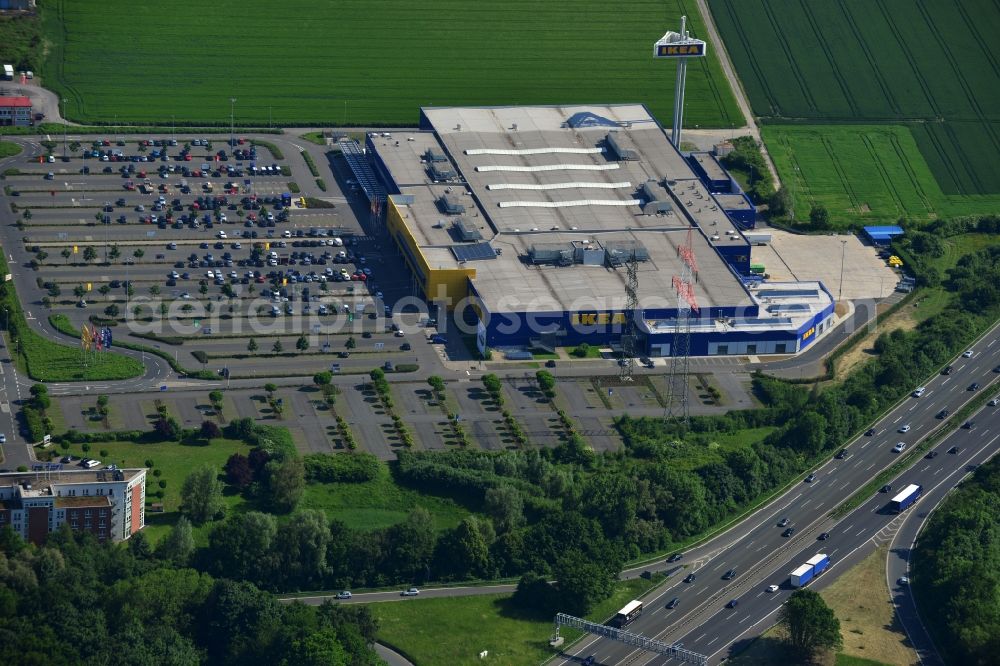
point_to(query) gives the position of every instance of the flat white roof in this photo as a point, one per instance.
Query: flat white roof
(535, 175)
(905, 492)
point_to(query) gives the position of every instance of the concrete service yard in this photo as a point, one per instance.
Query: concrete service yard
(799, 257)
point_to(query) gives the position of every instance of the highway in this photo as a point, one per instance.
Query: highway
(761, 556)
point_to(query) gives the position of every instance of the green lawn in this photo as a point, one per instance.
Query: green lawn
(356, 62)
(175, 461)
(378, 503)
(863, 174)
(857, 61)
(464, 626)
(8, 149)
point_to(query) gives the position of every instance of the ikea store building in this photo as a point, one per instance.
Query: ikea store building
(522, 220)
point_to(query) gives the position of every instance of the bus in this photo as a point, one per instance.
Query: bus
(628, 614)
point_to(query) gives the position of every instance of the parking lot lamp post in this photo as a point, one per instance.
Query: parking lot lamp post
(63, 114)
(232, 121)
(843, 251)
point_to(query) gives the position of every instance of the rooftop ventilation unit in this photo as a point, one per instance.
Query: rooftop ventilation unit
(657, 200)
(441, 173)
(619, 149)
(466, 231)
(450, 206)
(433, 156)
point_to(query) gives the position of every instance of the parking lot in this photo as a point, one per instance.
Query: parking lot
(200, 247)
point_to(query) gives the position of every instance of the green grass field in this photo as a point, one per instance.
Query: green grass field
(866, 174)
(464, 626)
(857, 60)
(8, 149)
(378, 503)
(355, 62)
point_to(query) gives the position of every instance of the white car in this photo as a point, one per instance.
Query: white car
(903, 580)
(967, 353)
(3, 438)
(994, 402)
(919, 392)
(412, 592)
(772, 588)
(221, 234)
(904, 428)
(344, 595)
(286, 234)
(899, 447)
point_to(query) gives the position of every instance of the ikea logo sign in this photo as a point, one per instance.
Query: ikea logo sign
(678, 50)
(808, 334)
(595, 319)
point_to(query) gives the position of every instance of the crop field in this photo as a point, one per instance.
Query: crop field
(863, 174)
(360, 63)
(857, 60)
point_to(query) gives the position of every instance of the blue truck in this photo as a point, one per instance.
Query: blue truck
(906, 497)
(816, 565)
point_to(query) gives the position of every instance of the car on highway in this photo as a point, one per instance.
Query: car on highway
(673, 558)
(783, 522)
(974, 386)
(589, 661)
(674, 602)
(690, 578)
(412, 592)
(870, 432)
(947, 370)
(903, 580)
(967, 353)
(788, 532)
(3, 438)
(772, 588)
(729, 575)
(994, 402)
(969, 425)
(943, 414)
(810, 478)
(919, 392)
(823, 536)
(931, 455)
(900, 446)
(344, 595)
(954, 450)
(996, 369)
(904, 428)
(841, 454)
(733, 603)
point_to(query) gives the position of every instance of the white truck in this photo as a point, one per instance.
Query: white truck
(757, 237)
(8, 72)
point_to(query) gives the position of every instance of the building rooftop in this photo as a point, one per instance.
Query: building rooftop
(15, 101)
(49, 483)
(783, 305)
(93, 501)
(733, 202)
(710, 164)
(537, 175)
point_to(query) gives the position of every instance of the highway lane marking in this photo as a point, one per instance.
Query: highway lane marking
(806, 502)
(849, 527)
(898, 419)
(713, 640)
(869, 467)
(759, 594)
(863, 530)
(866, 444)
(745, 618)
(938, 471)
(865, 543)
(991, 343)
(846, 483)
(702, 636)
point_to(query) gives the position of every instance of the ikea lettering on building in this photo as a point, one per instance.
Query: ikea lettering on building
(679, 50)
(594, 319)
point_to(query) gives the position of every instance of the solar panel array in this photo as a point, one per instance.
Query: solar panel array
(474, 252)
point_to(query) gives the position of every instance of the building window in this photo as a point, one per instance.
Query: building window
(751, 349)
(722, 350)
(779, 348)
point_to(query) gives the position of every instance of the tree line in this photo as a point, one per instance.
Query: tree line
(956, 570)
(75, 601)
